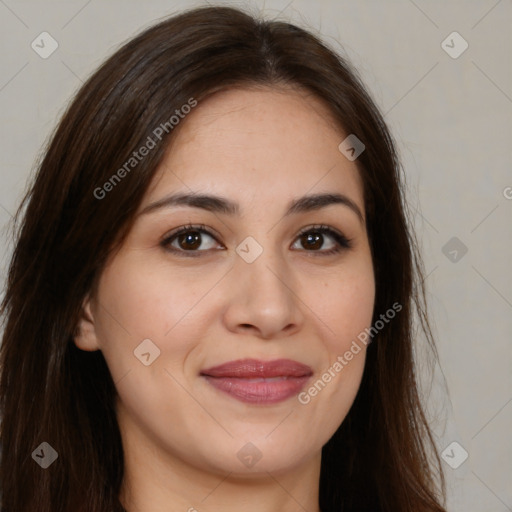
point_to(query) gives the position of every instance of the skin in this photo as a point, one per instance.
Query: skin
(260, 147)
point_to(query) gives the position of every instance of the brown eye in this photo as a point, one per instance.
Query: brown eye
(312, 240)
(322, 240)
(190, 239)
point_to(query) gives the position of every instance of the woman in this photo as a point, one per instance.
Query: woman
(210, 301)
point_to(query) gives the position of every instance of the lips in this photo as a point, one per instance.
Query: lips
(255, 381)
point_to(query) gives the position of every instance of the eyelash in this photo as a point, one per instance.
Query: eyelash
(341, 240)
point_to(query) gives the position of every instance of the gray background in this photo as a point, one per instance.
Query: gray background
(452, 119)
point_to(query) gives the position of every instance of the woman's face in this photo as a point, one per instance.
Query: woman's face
(254, 278)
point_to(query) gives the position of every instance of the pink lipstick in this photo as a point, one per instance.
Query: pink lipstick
(261, 382)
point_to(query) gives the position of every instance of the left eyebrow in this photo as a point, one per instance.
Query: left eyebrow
(218, 204)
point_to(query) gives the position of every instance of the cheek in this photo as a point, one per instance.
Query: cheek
(345, 305)
(149, 301)
(143, 299)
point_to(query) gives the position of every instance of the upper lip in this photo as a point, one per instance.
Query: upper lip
(254, 368)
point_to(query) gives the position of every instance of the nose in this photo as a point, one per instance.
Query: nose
(263, 300)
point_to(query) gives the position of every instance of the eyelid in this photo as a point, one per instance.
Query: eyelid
(321, 228)
(191, 227)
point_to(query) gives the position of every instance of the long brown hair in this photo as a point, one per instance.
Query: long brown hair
(382, 457)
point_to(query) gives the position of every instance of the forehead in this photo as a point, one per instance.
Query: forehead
(259, 143)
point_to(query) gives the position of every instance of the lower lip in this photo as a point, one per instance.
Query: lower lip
(259, 391)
